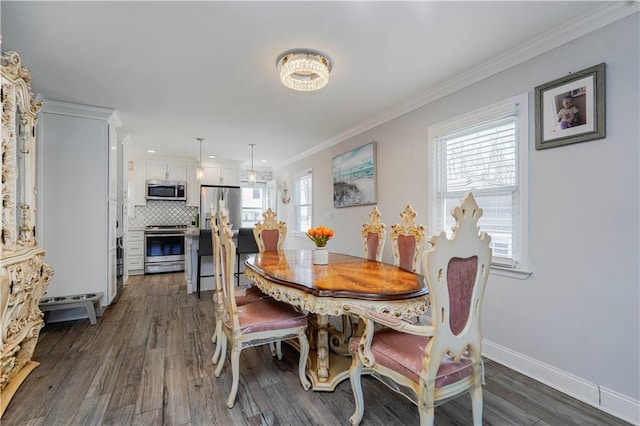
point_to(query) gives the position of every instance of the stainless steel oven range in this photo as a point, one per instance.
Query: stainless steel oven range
(164, 248)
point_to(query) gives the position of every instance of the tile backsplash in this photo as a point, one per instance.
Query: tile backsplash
(158, 212)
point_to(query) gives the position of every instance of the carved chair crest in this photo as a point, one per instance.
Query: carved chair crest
(373, 236)
(406, 238)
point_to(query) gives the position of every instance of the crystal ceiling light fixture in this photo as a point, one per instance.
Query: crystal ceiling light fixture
(252, 177)
(200, 171)
(304, 70)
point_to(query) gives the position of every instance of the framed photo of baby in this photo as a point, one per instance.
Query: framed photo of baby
(571, 109)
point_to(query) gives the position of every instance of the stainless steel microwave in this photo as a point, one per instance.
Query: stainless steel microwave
(166, 190)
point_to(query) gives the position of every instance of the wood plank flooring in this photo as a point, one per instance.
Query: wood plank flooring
(148, 362)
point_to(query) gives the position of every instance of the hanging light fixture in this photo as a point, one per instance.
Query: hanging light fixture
(200, 170)
(304, 70)
(252, 177)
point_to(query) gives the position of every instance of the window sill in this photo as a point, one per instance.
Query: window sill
(502, 271)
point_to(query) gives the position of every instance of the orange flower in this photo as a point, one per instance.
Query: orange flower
(320, 235)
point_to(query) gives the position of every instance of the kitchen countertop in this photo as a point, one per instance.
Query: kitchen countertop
(192, 232)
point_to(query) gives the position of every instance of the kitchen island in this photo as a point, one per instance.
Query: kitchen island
(245, 244)
(191, 246)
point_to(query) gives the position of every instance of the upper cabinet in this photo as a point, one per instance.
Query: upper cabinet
(140, 171)
(166, 170)
(137, 173)
(193, 186)
(221, 174)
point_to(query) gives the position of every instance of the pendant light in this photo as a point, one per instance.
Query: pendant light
(200, 171)
(252, 176)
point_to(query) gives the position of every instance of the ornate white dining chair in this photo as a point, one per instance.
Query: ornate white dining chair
(373, 236)
(242, 294)
(406, 240)
(431, 364)
(269, 236)
(256, 323)
(270, 233)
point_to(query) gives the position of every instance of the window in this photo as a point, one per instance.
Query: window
(484, 152)
(303, 185)
(252, 205)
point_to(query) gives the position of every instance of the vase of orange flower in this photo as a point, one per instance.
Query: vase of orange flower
(320, 236)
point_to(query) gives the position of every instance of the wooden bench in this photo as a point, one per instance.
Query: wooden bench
(90, 302)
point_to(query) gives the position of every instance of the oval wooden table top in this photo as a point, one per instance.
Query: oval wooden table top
(345, 276)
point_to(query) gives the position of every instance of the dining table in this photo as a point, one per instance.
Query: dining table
(331, 291)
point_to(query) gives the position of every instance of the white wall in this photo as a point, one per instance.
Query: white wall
(574, 323)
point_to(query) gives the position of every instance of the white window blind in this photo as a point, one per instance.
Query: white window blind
(482, 156)
(303, 201)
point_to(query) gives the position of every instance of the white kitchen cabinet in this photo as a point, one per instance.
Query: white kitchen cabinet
(78, 231)
(166, 170)
(212, 174)
(137, 185)
(231, 174)
(221, 173)
(135, 252)
(193, 186)
(140, 171)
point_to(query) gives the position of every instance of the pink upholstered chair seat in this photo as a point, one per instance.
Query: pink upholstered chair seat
(403, 352)
(267, 315)
(248, 294)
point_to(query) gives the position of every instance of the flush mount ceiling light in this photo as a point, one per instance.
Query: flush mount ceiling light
(304, 70)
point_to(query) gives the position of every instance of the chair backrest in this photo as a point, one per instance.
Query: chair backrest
(406, 239)
(227, 265)
(373, 236)
(270, 233)
(456, 271)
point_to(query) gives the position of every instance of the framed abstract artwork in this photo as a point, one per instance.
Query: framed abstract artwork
(354, 177)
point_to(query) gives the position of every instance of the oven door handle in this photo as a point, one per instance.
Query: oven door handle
(155, 234)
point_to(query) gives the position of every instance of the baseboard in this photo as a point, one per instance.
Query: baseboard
(597, 396)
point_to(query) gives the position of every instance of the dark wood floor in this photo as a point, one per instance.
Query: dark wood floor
(148, 362)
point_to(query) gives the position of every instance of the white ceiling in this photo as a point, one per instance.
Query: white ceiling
(175, 71)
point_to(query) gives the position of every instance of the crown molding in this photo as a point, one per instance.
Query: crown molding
(77, 110)
(572, 30)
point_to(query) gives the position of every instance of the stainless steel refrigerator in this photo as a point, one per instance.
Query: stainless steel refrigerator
(211, 195)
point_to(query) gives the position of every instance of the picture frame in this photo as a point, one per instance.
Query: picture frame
(354, 177)
(571, 109)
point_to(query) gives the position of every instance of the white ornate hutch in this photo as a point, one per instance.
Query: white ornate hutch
(24, 275)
